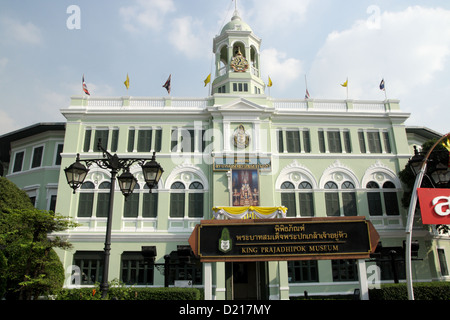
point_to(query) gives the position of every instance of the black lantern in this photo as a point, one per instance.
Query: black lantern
(75, 174)
(415, 163)
(152, 172)
(127, 182)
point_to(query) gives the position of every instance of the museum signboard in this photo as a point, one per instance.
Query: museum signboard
(284, 239)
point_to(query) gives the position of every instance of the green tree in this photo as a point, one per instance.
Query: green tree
(30, 266)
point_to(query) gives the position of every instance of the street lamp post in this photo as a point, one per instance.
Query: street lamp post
(418, 163)
(77, 172)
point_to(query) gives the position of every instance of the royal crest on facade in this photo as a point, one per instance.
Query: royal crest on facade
(241, 138)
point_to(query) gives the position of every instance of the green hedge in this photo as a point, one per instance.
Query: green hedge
(130, 293)
(422, 291)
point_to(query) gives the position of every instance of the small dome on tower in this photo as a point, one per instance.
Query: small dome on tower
(236, 24)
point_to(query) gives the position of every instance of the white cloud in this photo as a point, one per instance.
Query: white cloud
(282, 70)
(408, 49)
(264, 15)
(188, 36)
(18, 31)
(148, 14)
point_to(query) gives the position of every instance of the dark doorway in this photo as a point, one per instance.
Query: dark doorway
(246, 281)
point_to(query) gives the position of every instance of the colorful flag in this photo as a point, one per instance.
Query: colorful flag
(270, 83)
(127, 82)
(345, 83)
(208, 79)
(382, 85)
(167, 84)
(307, 94)
(85, 89)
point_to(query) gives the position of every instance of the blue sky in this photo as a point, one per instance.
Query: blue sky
(42, 60)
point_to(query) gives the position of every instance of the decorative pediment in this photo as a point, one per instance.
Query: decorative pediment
(240, 105)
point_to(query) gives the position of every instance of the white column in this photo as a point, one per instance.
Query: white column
(363, 285)
(207, 280)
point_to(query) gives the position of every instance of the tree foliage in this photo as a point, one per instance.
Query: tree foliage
(29, 266)
(408, 178)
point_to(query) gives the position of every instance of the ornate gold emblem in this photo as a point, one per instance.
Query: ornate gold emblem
(239, 63)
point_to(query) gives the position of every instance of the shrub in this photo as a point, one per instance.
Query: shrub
(422, 291)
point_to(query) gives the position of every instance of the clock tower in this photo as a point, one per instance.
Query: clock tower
(237, 59)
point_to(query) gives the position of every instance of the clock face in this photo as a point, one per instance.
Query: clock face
(239, 63)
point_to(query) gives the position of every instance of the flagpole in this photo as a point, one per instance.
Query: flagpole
(306, 83)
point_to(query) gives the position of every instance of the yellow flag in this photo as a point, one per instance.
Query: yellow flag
(345, 83)
(208, 79)
(270, 83)
(127, 82)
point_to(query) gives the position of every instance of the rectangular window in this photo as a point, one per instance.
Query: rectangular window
(135, 270)
(334, 141)
(114, 140)
(91, 266)
(387, 143)
(195, 205)
(344, 270)
(52, 203)
(306, 204)
(362, 142)
(303, 271)
(18, 161)
(288, 200)
(374, 200)
(85, 205)
(37, 157)
(321, 141)
(144, 140)
(306, 141)
(177, 205)
(293, 141)
(332, 204)
(174, 140)
(102, 135)
(347, 142)
(158, 139)
(102, 205)
(280, 141)
(349, 204)
(234, 86)
(130, 146)
(150, 205)
(373, 139)
(131, 209)
(442, 262)
(87, 140)
(59, 150)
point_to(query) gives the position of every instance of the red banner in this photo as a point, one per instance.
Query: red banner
(434, 205)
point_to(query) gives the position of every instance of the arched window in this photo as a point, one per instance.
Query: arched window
(390, 199)
(288, 198)
(389, 195)
(177, 200)
(103, 199)
(306, 199)
(332, 199)
(349, 199)
(374, 199)
(195, 200)
(86, 200)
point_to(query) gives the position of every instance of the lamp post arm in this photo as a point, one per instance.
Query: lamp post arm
(410, 219)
